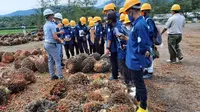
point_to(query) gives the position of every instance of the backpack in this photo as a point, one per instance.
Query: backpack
(157, 38)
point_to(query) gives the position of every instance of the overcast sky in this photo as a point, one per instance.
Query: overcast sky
(9, 6)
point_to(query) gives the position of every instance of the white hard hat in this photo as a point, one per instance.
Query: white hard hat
(47, 12)
(58, 15)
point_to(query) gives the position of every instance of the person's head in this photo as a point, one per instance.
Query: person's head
(108, 8)
(58, 17)
(121, 10)
(72, 23)
(132, 8)
(111, 18)
(48, 14)
(91, 24)
(122, 17)
(83, 20)
(145, 9)
(97, 20)
(90, 19)
(65, 22)
(127, 22)
(175, 9)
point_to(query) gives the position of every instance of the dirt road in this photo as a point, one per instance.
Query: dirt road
(174, 87)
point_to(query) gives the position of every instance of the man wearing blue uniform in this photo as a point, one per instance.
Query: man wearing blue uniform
(74, 37)
(99, 36)
(145, 10)
(138, 51)
(68, 38)
(82, 34)
(50, 45)
(58, 20)
(112, 43)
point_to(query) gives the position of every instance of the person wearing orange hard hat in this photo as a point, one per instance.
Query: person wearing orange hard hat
(138, 51)
(145, 11)
(175, 26)
(74, 37)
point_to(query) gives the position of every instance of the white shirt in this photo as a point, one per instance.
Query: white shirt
(175, 24)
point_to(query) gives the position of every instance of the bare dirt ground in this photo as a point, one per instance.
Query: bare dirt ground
(174, 87)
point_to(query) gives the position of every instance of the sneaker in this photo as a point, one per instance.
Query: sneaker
(54, 77)
(180, 58)
(169, 61)
(148, 76)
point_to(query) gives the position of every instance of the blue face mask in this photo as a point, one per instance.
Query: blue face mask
(130, 18)
(96, 24)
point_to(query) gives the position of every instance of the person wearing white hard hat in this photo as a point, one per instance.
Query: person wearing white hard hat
(58, 21)
(50, 44)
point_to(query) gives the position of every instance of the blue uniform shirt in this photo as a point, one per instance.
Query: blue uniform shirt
(99, 31)
(67, 34)
(151, 26)
(138, 45)
(118, 16)
(110, 36)
(49, 29)
(82, 31)
(73, 34)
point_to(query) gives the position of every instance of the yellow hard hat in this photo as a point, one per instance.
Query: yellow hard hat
(146, 6)
(91, 23)
(65, 21)
(72, 23)
(126, 20)
(97, 18)
(130, 3)
(108, 7)
(83, 20)
(176, 7)
(121, 10)
(89, 19)
(122, 17)
(115, 7)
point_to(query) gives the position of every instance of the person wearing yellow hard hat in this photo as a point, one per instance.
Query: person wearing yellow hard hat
(127, 24)
(92, 36)
(82, 34)
(74, 37)
(138, 40)
(145, 11)
(175, 26)
(121, 10)
(108, 8)
(68, 38)
(50, 44)
(122, 17)
(90, 18)
(99, 35)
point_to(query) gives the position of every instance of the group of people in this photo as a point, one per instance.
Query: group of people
(129, 36)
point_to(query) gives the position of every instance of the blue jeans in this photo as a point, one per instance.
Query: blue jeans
(54, 59)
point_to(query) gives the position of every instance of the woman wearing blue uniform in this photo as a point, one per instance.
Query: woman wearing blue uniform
(50, 45)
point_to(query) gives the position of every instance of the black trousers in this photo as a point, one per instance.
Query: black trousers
(124, 71)
(92, 49)
(83, 46)
(75, 45)
(141, 91)
(69, 48)
(99, 47)
(114, 64)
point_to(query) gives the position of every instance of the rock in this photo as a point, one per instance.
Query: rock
(8, 57)
(102, 66)
(40, 106)
(41, 64)
(96, 56)
(88, 65)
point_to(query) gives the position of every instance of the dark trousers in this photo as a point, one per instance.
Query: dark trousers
(83, 46)
(92, 49)
(141, 91)
(114, 64)
(69, 48)
(99, 47)
(124, 71)
(75, 45)
(173, 46)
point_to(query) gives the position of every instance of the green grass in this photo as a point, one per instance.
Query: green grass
(3, 32)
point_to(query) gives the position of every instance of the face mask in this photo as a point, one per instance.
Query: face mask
(65, 25)
(128, 27)
(72, 27)
(130, 17)
(96, 24)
